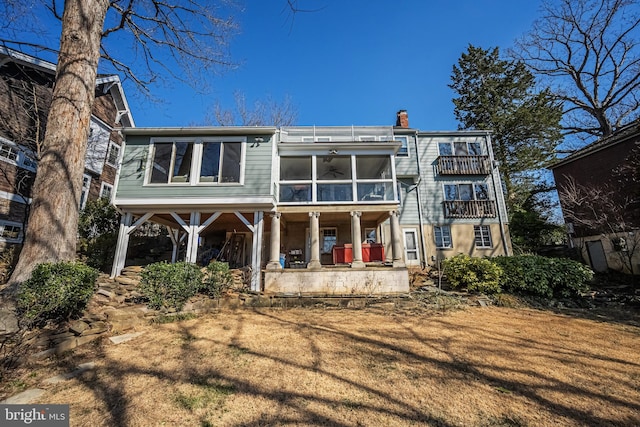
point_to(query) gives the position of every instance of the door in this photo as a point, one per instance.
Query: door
(597, 257)
(411, 251)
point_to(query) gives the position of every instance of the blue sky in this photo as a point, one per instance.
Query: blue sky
(352, 62)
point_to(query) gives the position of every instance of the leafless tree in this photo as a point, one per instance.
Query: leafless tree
(178, 37)
(589, 51)
(267, 112)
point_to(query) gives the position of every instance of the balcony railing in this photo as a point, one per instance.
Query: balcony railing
(463, 165)
(469, 209)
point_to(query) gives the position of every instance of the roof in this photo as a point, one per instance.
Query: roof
(110, 82)
(200, 130)
(621, 135)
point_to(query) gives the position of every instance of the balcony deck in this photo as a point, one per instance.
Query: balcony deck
(469, 209)
(463, 165)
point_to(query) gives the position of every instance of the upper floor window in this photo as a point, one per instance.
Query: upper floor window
(8, 152)
(336, 178)
(460, 148)
(208, 161)
(403, 151)
(221, 162)
(466, 192)
(86, 185)
(106, 190)
(114, 154)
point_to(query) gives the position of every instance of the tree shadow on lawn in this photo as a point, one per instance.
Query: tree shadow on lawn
(296, 406)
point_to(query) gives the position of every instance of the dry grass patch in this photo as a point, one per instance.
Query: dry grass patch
(477, 367)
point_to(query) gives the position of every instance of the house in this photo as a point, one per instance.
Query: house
(605, 226)
(25, 94)
(314, 209)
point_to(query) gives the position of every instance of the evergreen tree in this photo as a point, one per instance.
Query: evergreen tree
(501, 95)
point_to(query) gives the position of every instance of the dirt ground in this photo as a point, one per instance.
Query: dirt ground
(486, 366)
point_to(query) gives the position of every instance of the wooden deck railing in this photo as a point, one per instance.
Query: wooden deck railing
(469, 209)
(463, 165)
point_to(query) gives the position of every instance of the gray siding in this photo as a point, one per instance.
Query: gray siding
(257, 174)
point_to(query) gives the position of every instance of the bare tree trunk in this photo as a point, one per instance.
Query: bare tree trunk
(53, 220)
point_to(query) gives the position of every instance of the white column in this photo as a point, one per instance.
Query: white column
(397, 247)
(192, 242)
(274, 255)
(256, 255)
(356, 240)
(314, 229)
(122, 245)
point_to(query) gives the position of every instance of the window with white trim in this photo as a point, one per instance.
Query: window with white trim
(114, 154)
(371, 235)
(466, 192)
(86, 185)
(482, 234)
(329, 236)
(10, 231)
(8, 152)
(338, 178)
(460, 148)
(208, 161)
(442, 235)
(403, 151)
(106, 190)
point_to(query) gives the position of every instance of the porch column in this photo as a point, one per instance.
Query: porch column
(356, 240)
(314, 227)
(274, 256)
(396, 240)
(192, 242)
(122, 245)
(256, 254)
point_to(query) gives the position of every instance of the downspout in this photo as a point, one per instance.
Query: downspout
(423, 241)
(498, 195)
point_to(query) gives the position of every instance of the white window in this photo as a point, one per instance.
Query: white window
(114, 154)
(86, 185)
(412, 254)
(442, 235)
(482, 235)
(214, 161)
(403, 151)
(466, 192)
(106, 190)
(336, 178)
(329, 239)
(221, 162)
(8, 152)
(460, 148)
(371, 235)
(10, 231)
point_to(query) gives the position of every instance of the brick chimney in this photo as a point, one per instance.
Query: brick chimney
(403, 119)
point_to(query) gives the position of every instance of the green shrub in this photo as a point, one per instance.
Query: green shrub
(99, 251)
(170, 285)
(475, 274)
(217, 279)
(542, 276)
(56, 291)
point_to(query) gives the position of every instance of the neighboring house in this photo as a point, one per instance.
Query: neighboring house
(605, 227)
(318, 210)
(25, 95)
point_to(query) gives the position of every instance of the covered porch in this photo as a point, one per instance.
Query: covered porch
(335, 251)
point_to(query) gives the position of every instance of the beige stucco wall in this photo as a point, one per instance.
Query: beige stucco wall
(337, 281)
(614, 257)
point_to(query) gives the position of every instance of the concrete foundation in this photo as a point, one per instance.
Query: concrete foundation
(337, 281)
